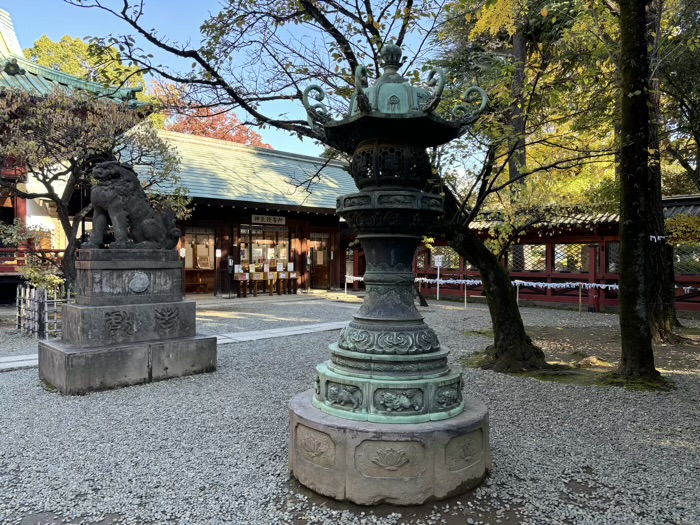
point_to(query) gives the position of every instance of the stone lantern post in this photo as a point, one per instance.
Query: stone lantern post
(387, 420)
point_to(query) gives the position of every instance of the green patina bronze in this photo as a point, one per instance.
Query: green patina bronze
(388, 366)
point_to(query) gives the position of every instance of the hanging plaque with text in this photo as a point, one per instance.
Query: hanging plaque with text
(268, 219)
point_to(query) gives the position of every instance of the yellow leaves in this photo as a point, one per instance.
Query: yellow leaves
(544, 12)
(684, 229)
(495, 17)
(469, 17)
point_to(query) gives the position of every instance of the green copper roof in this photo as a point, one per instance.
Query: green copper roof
(16, 72)
(222, 170)
(392, 109)
(391, 94)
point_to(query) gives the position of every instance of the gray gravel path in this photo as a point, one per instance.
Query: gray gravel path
(212, 449)
(248, 315)
(215, 317)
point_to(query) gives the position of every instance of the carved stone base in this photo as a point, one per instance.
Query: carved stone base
(117, 277)
(90, 326)
(129, 325)
(74, 370)
(400, 464)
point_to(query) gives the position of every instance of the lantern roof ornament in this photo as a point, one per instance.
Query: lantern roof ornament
(393, 109)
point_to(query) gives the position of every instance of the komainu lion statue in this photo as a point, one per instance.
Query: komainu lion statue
(118, 197)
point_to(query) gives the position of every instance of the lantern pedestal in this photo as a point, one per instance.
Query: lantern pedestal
(371, 463)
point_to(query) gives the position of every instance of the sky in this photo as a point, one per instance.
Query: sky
(179, 20)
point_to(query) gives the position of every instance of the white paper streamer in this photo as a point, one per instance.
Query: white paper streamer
(530, 284)
(524, 284)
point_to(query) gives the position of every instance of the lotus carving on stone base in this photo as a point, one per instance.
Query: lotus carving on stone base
(391, 458)
(314, 446)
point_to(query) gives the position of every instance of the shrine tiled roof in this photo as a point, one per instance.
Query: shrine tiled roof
(225, 171)
(16, 72)
(682, 205)
(673, 205)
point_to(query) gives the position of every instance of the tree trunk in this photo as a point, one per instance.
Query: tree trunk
(69, 255)
(513, 350)
(662, 313)
(637, 356)
(517, 161)
(662, 310)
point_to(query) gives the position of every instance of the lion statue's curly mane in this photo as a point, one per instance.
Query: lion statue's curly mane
(118, 197)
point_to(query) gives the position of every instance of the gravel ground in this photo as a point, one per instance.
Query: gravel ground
(13, 343)
(215, 317)
(212, 449)
(247, 315)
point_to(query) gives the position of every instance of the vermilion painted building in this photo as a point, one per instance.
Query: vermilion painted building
(580, 249)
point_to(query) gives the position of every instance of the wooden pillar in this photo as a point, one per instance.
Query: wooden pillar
(21, 209)
(550, 266)
(304, 266)
(593, 293)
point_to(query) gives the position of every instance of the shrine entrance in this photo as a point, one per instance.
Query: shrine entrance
(319, 260)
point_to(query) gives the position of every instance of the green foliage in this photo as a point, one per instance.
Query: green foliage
(569, 101)
(62, 136)
(18, 233)
(567, 98)
(683, 229)
(87, 61)
(42, 276)
(679, 74)
(91, 62)
(38, 272)
(96, 63)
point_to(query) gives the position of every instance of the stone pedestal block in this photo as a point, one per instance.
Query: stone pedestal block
(400, 464)
(74, 370)
(116, 277)
(88, 326)
(129, 325)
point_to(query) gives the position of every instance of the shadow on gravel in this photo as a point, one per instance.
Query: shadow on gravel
(589, 356)
(304, 506)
